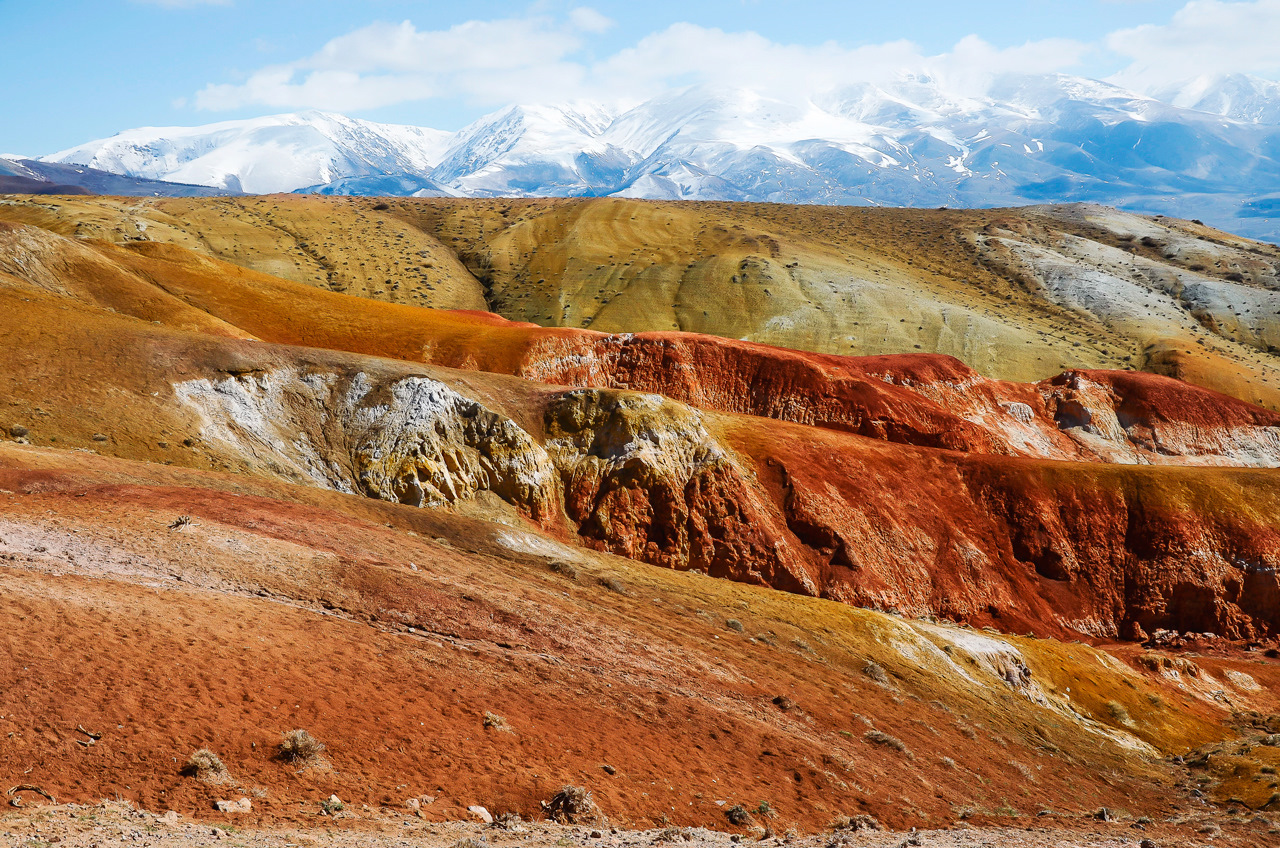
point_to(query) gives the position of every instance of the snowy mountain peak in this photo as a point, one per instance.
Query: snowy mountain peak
(1240, 97)
(1209, 149)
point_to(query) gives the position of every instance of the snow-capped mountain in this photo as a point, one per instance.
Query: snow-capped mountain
(1208, 149)
(261, 155)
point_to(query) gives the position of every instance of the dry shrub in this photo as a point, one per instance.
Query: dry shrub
(1118, 712)
(300, 747)
(573, 805)
(879, 737)
(738, 815)
(567, 569)
(207, 766)
(496, 722)
(613, 584)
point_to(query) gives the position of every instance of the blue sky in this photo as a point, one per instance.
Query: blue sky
(76, 70)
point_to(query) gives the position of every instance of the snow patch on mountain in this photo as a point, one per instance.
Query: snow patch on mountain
(1209, 149)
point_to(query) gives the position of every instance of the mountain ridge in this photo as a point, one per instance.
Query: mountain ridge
(1030, 139)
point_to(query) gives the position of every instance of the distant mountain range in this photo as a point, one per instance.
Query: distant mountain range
(1208, 150)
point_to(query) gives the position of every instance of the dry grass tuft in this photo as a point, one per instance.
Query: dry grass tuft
(300, 747)
(861, 821)
(613, 584)
(496, 722)
(879, 737)
(573, 805)
(207, 766)
(876, 672)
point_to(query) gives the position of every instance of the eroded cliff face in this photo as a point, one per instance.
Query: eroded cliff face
(411, 440)
(926, 400)
(645, 479)
(1112, 552)
(1106, 550)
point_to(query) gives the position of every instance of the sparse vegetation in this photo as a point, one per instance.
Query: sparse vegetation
(738, 815)
(861, 821)
(876, 672)
(613, 584)
(1117, 711)
(300, 747)
(565, 569)
(879, 737)
(573, 805)
(207, 766)
(496, 722)
(506, 821)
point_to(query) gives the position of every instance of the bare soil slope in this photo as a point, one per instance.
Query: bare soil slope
(1016, 294)
(234, 504)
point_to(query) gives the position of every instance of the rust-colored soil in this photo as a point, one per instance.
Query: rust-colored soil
(234, 504)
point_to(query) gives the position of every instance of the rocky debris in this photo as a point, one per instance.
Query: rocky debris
(241, 805)
(480, 813)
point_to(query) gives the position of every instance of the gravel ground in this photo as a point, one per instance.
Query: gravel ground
(118, 823)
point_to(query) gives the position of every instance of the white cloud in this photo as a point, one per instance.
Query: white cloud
(1204, 37)
(539, 59)
(589, 20)
(382, 64)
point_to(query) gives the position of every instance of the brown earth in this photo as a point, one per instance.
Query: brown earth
(402, 522)
(1017, 294)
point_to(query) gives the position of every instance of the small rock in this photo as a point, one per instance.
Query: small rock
(18, 431)
(595, 834)
(242, 806)
(1147, 843)
(480, 813)
(217, 833)
(735, 838)
(608, 769)
(99, 437)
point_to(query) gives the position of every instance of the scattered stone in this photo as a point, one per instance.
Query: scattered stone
(243, 805)
(608, 769)
(595, 834)
(99, 437)
(481, 813)
(1147, 843)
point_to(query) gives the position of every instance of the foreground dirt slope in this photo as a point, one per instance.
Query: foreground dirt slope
(233, 504)
(1015, 294)
(1100, 549)
(279, 607)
